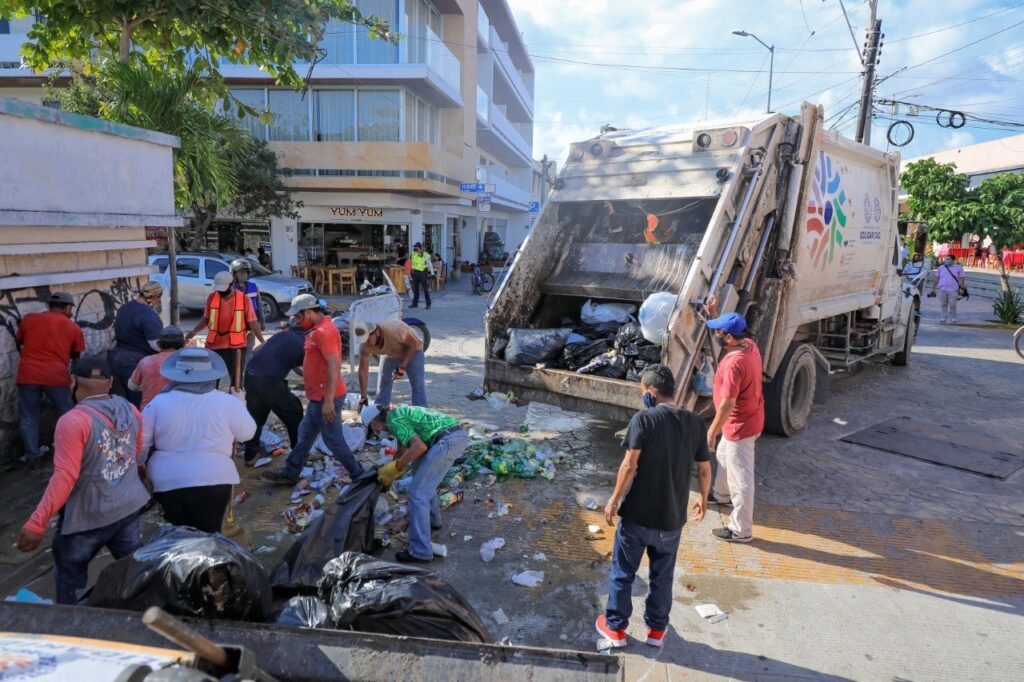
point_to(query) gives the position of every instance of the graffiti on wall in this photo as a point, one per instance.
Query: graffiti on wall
(96, 306)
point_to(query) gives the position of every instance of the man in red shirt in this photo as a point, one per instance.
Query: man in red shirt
(48, 342)
(325, 388)
(739, 417)
(146, 378)
(95, 486)
(230, 317)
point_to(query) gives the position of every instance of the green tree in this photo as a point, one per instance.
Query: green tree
(1000, 202)
(939, 198)
(273, 34)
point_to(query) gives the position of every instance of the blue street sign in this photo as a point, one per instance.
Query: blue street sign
(472, 187)
(534, 207)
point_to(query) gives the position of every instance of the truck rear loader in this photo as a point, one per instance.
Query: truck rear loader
(785, 222)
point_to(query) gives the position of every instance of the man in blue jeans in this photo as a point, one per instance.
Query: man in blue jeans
(325, 388)
(429, 442)
(661, 444)
(401, 346)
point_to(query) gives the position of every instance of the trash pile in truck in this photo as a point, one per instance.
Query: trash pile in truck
(608, 340)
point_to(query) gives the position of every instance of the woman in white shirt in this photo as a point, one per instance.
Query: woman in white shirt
(192, 429)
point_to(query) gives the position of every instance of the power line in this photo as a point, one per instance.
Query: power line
(962, 23)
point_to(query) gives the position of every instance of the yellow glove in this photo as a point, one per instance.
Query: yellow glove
(388, 473)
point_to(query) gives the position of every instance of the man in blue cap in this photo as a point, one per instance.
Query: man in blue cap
(739, 417)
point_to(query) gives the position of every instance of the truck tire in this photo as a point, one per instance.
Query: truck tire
(902, 359)
(788, 398)
(270, 309)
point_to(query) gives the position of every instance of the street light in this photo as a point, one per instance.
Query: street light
(771, 63)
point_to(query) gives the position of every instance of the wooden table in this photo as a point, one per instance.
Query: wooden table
(397, 275)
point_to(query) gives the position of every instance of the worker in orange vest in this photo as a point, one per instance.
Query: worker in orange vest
(229, 316)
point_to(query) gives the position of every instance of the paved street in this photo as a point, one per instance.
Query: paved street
(866, 565)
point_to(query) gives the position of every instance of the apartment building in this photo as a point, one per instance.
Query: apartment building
(428, 140)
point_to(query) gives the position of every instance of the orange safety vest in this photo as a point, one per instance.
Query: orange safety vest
(236, 327)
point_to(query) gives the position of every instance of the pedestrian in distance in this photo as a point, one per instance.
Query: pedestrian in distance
(402, 349)
(266, 385)
(949, 280)
(230, 317)
(429, 442)
(422, 271)
(48, 341)
(188, 440)
(247, 252)
(137, 327)
(651, 493)
(325, 388)
(95, 488)
(147, 378)
(739, 418)
(263, 258)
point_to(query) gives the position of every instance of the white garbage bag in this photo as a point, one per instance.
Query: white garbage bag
(704, 379)
(654, 314)
(597, 313)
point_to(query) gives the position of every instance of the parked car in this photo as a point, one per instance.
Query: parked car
(196, 271)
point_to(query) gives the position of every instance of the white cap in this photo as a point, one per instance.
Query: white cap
(368, 414)
(222, 280)
(365, 328)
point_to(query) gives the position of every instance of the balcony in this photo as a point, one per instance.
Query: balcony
(10, 50)
(483, 26)
(483, 105)
(511, 74)
(509, 194)
(503, 138)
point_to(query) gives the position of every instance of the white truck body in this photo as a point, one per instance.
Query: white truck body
(785, 222)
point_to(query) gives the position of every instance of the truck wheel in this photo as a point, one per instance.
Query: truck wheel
(902, 359)
(270, 310)
(788, 398)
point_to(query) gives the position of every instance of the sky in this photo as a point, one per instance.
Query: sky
(651, 63)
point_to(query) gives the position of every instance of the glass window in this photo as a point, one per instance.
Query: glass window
(5, 26)
(378, 115)
(188, 267)
(252, 98)
(422, 121)
(335, 115)
(410, 117)
(373, 50)
(340, 42)
(291, 116)
(160, 263)
(211, 267)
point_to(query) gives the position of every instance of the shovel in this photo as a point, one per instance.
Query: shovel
(230, 528)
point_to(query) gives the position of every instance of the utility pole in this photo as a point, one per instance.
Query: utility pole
(874, 37)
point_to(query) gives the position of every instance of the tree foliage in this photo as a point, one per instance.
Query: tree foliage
(272, 34)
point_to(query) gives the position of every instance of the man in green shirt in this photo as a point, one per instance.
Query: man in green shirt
(429, 441)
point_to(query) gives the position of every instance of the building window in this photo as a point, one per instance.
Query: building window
(379, 115)
(335, 115)
(255, 98)
(422, 120)
(346, 43)
(423, 25)
(291, 116)
(5, 26)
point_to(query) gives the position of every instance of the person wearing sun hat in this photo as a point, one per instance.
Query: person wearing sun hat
(191, 429)
(739, 418)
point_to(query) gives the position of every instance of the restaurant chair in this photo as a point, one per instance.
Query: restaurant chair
(347, 278)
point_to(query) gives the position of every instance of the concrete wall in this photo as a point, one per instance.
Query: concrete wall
(76, 195)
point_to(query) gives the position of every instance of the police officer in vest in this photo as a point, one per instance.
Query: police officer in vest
(95, 488)
(422, 270)
(230, 317)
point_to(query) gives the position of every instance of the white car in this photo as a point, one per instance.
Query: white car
(196, 271)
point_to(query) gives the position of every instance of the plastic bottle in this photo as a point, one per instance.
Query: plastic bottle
(240, 498)
(449, 499)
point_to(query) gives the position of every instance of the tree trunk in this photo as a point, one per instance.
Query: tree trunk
(126, 43)
(1004, 279)
(201, 221)
(172, 271)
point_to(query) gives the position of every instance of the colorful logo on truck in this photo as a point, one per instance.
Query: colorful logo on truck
(826, 220)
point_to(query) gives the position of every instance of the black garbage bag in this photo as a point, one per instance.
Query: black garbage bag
(629, 338)
(372, 595)
(188, 573)
(604, 330)
(346, 525)
(615, 368)
(304, 612)
(498, 348)
(533, 346)
(649, 354)
(577, 355)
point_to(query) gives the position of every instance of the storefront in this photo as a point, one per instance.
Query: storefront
(368, 247)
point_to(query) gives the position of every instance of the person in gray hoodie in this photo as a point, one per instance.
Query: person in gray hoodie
(95, 490)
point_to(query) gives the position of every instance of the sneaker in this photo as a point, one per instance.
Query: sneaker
(942, 320)
(954, 321)
(714, 500)
(726, 534)
(616, 637)
(655, 637)
(278, 478)
(405, 557)
(428, 307)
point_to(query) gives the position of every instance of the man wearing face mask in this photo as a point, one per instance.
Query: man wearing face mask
(739, 417)
(949, 277)
(325, 388)
(229, 316)
(661, 443)
(95, 485)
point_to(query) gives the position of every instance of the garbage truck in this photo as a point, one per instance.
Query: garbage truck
(780, 219)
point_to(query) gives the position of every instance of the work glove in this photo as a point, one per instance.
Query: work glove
(388, 473)
(399, 372)
(363, 402)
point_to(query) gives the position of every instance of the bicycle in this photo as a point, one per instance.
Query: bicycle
(1018, 342)
(482, 282)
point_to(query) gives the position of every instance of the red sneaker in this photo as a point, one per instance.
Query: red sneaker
(616, 637)
(655, 637)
